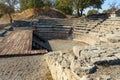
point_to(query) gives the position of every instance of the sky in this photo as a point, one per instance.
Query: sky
(107, 2)
(105, 6)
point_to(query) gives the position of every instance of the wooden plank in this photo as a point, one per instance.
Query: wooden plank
(17, 42)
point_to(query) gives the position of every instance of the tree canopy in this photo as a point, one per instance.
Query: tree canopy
(91, 12)
(5, 9)
(25, 4)
(67, 6)
(64, 5)
(11, 3)
(80, 5)
(114, 6)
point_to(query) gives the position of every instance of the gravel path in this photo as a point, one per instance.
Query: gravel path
(24, 68)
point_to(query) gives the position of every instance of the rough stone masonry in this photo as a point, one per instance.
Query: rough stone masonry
(82, 62)
(100, 61)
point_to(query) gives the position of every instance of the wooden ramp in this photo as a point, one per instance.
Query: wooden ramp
(19, 42)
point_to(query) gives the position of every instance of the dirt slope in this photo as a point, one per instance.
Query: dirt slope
(45, 12)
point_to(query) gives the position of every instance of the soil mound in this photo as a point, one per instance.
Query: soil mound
(44, 12)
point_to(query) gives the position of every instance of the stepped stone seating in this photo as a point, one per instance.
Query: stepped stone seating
(108, 31)
(8, 28)
(98, 62)
(48, 28)
(83, 28)
(63, 28)
(53, 28)
(2, 32)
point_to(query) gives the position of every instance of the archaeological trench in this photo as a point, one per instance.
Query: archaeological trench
(78, 48)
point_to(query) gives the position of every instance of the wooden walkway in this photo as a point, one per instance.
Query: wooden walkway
(18, 42)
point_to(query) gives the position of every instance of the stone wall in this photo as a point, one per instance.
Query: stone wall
(58, 28)
(53, 35)
(84, 62)
(91, 31)
(48, 28)
(106, 31)
(60, 67)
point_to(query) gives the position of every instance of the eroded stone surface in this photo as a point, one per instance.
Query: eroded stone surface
(83, 61)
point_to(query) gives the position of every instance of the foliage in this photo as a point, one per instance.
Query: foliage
(47, 3)
(25, 4)
(114, 6)
(104, 11)
(5, 9)
(11, 3)
(35, 3)
(64, 5)
(91, 12)
(80, 5)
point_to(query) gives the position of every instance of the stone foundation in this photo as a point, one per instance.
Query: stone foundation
(82, 62)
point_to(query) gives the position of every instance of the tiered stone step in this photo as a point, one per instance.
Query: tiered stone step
(54, 32)
(81, 29)
(109, 26)
(2, 32)
(40, 43)
(55, 21)
(86, 27)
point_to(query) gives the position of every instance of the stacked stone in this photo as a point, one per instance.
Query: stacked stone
(108, 31)
(83, 31)
(5, 31)
(83, 62)
(54, 28)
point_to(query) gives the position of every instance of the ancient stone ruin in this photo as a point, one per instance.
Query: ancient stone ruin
(98, 60)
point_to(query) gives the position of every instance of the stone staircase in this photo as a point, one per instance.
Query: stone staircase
(86, 26)
(108, 31)
(53, 28)
(83, 28)
(39, 43)
(5, 31)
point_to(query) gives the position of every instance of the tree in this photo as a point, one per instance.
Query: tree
(5, 9)
(64, 5)
(23, 5)
(104, 11)
(80, 5)
(47, 3)
(91, 12)
(114, 6)
(35, 3)
(11, 3)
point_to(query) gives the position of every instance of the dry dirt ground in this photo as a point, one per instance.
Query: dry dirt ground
(24, 68)
(64, 45)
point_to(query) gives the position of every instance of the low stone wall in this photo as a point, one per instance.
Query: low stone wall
(52, 35)
(89, 39)
(60, 67)
(83, 62)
